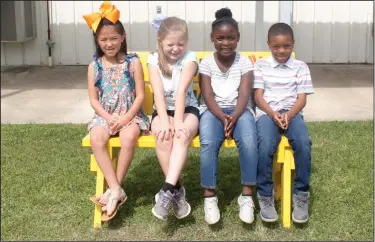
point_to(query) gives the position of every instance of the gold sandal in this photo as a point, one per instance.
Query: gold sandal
(95, 199)
(114, 201)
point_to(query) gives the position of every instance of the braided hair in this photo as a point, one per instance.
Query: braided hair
(223, 16)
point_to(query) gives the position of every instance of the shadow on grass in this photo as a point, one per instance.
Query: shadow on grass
(250, 227)
(228, 182)
(173, 224)
(142, 182)
(145, 179)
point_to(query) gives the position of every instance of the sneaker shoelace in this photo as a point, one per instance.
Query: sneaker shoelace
(164, 201)
(179, 198)
(210, 204)
(301, 202)
(246, 201)
(267, 201)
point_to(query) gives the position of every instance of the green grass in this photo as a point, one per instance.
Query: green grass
(46, 184)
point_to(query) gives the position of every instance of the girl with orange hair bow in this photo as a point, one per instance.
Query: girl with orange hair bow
(116, 92)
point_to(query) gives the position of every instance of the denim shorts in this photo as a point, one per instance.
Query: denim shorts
(188, 109)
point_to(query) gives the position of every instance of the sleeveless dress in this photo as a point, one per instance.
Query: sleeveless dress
(116, 88)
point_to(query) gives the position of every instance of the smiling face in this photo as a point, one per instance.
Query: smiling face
(109, 40)
(281, 47)
(173, 45)
(225, 39)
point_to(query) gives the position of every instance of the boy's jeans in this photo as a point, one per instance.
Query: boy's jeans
(269, 136)
(211, 132)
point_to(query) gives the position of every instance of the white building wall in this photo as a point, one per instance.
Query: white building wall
(333, 31)
(325, 31)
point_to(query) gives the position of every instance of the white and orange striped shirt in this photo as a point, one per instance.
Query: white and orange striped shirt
(281, 82)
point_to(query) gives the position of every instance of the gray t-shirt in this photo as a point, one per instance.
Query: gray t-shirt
(170, 85)
(225, 85)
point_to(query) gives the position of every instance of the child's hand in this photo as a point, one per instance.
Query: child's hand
(233, 118)
(286, 120)
(119, 122)
(111, 119)
(277, 118)
(228, 132)
(165, 132)
(225, 119)
(179, 128)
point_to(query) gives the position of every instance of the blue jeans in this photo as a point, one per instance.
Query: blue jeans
(211, 132)
(269, 136)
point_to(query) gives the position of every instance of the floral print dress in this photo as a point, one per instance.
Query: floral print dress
(116, 88)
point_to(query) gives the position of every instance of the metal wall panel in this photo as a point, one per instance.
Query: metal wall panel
(325, 31)
(333, 32)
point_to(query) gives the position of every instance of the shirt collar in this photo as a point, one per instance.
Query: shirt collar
(289, 63)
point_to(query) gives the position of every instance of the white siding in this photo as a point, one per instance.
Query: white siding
(270, 16)
(322, 31)
(333, 32)
(325, 31)
(194, 11)
(247, 23)
(340, 49)
(370, 40)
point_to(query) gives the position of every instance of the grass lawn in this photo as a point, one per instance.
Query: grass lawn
(46, 184)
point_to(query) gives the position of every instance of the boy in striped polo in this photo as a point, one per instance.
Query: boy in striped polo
(281, 85)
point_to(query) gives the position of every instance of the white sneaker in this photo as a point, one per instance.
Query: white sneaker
(211, 210)
(246, 208)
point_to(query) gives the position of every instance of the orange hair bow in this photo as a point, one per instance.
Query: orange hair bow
(107, 11)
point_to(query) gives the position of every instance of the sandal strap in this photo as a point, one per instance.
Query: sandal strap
(111, 200)
(122, 196)
(107, 192)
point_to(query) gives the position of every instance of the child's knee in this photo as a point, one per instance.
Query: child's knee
(267, 145)
(128, 141)
(182, 140)
(248, 141)
(97, 142)
(165, 144)
(302, 143)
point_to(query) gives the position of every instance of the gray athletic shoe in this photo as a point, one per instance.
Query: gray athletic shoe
(164, 202)
(267, 208)
(300, 212)
(180, 205)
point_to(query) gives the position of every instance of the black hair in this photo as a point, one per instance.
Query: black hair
(119, 28)
(223, 16)
(280, 29)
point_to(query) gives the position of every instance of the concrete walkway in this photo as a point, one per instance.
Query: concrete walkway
(59, 94)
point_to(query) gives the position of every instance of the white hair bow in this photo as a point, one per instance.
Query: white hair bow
(157, 21)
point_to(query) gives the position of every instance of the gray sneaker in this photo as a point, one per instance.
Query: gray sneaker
(163, 204)
(180, 205)
(267, 208)
(300, 212)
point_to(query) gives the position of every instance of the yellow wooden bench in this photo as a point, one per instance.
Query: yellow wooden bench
(283, 159)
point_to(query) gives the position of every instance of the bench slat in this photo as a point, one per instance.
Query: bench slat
(148, 141)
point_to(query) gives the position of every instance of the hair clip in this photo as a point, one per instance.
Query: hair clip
(157, 21)
(107, 11)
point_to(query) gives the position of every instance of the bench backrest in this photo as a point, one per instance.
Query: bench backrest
(147, 104)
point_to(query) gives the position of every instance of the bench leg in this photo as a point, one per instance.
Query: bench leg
(115, 151)
(100, 189)
(286, 189)
(276, 177)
